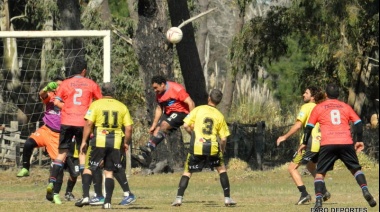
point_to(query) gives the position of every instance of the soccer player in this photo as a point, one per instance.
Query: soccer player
(97, 176)
(47, 135)
(334, 117)
(73, 97)
(107, 116)
(205, 124)
(174, 103)
(72, 166)
(311, 97)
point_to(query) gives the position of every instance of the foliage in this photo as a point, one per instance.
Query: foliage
(335, 39)
(124, 65)
(253, 103)
(119, 8)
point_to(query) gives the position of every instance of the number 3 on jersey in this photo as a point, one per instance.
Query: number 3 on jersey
(77, 95)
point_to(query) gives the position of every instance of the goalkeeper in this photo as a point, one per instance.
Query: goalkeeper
(47, 135)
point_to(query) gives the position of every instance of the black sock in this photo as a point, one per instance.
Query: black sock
(27, 152)
(225, 184)
(183, 185)
(97, 180)
(303, 191)
(70, 184)
(58, 182)
(86, 181)
(110, 185)
(122, 179)
(55, 170)
(360, 179)
(318, 185)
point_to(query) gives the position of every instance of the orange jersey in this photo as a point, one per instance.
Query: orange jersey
(334, 118)
(77, 93)
(172, 100)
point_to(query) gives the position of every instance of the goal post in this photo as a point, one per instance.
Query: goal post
(106, 34)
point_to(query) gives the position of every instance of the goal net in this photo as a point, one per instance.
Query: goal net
(29, 59)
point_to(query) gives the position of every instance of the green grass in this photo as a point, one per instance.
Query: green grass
(271, 190)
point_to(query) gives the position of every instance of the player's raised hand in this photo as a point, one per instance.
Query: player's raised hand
(51, 86)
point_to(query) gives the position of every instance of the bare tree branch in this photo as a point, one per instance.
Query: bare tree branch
(195, 17)
(118, 33)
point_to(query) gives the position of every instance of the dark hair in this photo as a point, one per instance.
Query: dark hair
(332, 91)
(216, 96)
(158, 79)
(317, 93)
(78, 65)
(108, 89)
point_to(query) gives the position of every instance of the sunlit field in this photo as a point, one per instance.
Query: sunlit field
(271, 190)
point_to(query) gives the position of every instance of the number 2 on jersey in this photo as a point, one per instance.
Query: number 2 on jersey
(78, 94)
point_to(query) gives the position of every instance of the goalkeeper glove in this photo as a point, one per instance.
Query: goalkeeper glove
(51, 86)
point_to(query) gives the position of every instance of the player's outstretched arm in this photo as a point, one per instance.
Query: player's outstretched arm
(294, 129)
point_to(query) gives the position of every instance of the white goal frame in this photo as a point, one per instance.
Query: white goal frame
(106, 34)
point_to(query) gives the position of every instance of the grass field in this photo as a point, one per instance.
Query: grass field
(271, 190)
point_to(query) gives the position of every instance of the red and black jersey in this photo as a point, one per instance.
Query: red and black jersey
(172, 100)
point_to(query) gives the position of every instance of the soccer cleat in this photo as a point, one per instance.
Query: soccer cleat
(49, 192)
(57, 199)
(82, 202)
(367, 196)
(127, 200)
(326, 196)
(97, 201)
(318, 203)
(23, 173)
(69, 196)
(229, 202)
(177, 201)
(304, 199)
(106, 206)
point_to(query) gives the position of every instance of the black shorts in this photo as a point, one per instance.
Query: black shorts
(109, 156)
(305, 157)
(195, 163)
(72, 166)
(330, 153)
(174, 119)
(66, 136)
(123, 158)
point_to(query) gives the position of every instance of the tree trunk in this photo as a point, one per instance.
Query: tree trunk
(229, 87)
(202, 36)
(155, 57)
(191, 67)
(47, 45)
(69, 11)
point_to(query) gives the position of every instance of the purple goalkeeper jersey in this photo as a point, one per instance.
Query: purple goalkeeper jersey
(52, 116)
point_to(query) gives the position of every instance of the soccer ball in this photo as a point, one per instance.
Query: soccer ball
(174, 35)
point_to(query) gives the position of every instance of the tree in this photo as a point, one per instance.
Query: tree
(187, 51)
(69, 11)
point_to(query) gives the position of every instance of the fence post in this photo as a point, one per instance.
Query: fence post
(260, 143)
(236, 142)
(128, 161)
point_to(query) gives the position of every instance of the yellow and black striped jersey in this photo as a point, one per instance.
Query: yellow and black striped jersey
(108, 115)
(208, 124)
(303, 117)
